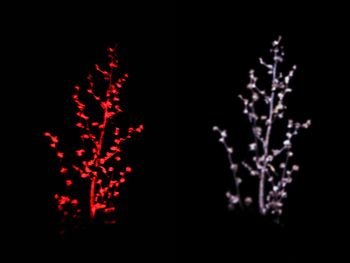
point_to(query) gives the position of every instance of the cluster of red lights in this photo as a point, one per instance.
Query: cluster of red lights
(99, 159)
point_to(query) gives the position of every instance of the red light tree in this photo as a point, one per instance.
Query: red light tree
(96, 166)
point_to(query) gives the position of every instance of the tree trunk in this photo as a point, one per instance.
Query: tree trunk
(92, 199)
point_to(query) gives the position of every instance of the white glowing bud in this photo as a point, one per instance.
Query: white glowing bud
(306, 124)
(251, 86)
(286, 79)
(275, 152)
(253, 173)
(288, 180)
(248, 200)
(232, 198)
(234, 167)
(252, 147)
(295, 168)
(269, 158)
(287, 143)
(223, 134)
(257, 131)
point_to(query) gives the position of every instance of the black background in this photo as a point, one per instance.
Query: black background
(187, 64)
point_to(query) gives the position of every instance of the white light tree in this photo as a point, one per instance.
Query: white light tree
(271, 163)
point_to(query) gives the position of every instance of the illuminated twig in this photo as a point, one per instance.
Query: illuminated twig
(265, 164)
(101, 142)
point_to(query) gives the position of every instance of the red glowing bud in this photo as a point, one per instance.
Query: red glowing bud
(122, 180)
(80, 152)
(110, 114)
(109, 209)
(118, 158)
(122, 173)
(82, 115)
(69, 182)
(139, 129)
(63, 200)
(113, 65)
(103, 170)
(94, 123)
(81, 106)
(60, 155)
(84, 175)
(63, 170)
(79, 125)
(110, 169)
(74, 202)
(128, 169)
(99, 206)
(112, 183)
(47, 134)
